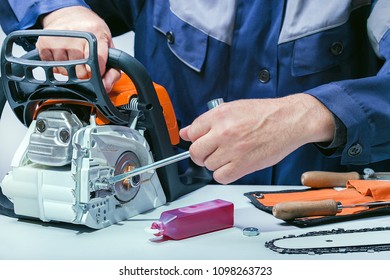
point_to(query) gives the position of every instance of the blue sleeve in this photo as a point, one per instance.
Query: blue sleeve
(17, 16)
(120, 15)
(363, 105)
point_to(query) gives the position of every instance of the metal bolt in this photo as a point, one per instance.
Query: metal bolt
(40, 125)
(64, 135)
(136, 180)
(250, 231)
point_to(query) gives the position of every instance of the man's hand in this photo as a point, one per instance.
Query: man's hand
(240, 137)
(79, 19)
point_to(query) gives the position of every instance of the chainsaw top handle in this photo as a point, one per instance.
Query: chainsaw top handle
(24, 91)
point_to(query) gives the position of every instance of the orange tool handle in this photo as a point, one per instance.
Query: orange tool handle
(299, 209)
(323, 179)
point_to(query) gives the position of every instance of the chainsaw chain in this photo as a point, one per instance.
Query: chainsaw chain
(330, 250)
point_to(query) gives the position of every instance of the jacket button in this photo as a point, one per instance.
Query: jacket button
(264, 76)
(337, 48)
(170, 37)
(355, 150)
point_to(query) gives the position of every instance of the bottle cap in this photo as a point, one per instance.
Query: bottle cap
(157, 228)
(152, 231)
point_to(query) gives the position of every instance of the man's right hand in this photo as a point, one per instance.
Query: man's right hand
(77, 18)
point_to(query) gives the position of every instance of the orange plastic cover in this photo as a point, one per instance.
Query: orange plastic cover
(124, 89)
(121, 94)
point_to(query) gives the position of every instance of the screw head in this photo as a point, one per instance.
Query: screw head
(64, 135)
(40, 125)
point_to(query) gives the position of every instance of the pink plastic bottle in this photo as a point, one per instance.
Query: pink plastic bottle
(193, 220)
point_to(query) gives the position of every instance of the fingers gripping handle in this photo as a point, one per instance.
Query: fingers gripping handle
(25, 91)
(299, 209)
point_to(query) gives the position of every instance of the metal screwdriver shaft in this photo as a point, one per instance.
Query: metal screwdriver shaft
(149, 167)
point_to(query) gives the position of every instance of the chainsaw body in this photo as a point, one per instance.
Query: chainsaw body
(79, 136)
(67, 182)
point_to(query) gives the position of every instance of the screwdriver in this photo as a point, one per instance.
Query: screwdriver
(211, 104)
(298, 209)
(149, 167)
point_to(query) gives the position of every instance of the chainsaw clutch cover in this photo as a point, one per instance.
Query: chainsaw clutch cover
(60, 172)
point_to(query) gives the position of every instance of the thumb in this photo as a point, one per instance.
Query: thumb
(184, 133)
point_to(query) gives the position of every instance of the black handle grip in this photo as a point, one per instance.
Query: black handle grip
(24, 92)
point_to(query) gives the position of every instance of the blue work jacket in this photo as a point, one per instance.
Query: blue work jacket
(337, 51)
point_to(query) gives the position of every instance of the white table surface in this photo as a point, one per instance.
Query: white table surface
(26, 239)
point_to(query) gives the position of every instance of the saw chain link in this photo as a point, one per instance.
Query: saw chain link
(367, 248)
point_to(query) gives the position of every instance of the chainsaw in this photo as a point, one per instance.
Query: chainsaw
(79, 137)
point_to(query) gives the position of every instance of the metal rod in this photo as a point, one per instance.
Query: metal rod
(149, 167)
(368, 204)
